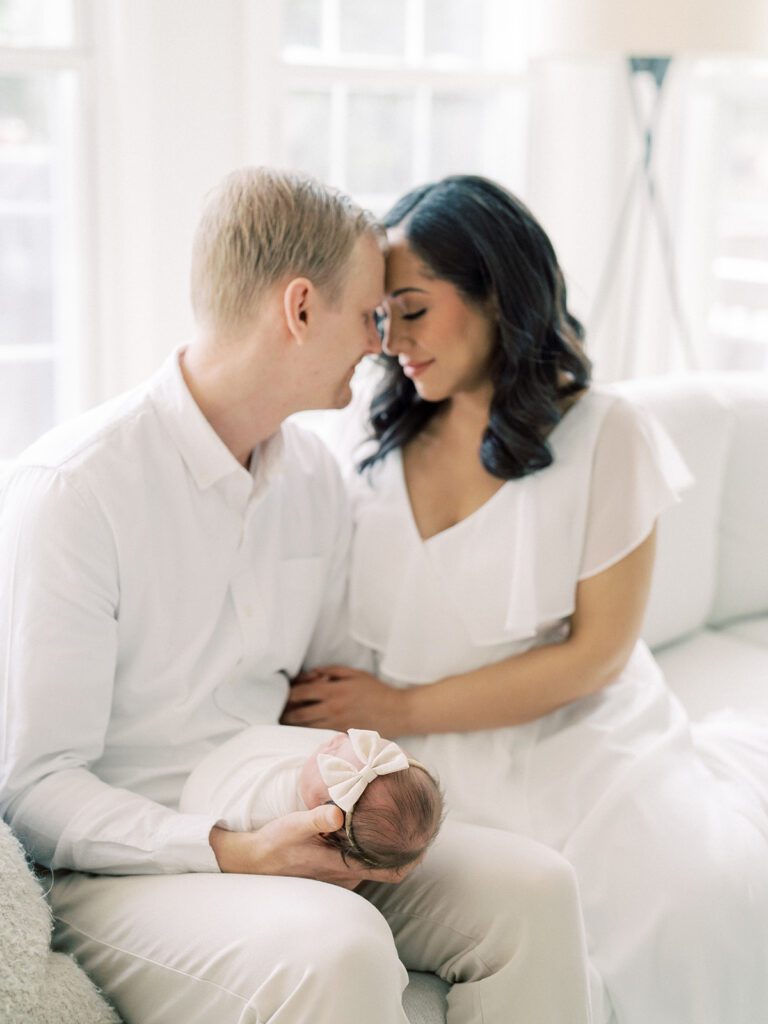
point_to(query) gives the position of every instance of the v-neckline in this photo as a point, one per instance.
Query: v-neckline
(448, 529)
(424, 541)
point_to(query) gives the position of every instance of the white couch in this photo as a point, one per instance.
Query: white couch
(707, 618)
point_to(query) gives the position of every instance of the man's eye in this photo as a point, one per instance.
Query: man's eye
(414, 316)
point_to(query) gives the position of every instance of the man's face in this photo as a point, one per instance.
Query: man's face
(346, 330)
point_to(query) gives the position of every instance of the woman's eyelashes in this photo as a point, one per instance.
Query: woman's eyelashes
(414, 316)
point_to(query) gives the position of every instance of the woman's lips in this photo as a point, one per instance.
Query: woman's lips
(413, 370)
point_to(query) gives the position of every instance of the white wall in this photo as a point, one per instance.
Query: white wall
(168, 103)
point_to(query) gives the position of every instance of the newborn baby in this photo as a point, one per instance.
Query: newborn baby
(392, 806)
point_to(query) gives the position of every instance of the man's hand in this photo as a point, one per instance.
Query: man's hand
(337, 697)
(293, 845)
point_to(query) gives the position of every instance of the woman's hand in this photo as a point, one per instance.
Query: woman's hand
(336, 697)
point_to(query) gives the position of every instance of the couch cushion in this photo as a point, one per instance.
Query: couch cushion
(742, 583)
(717, 669)
(755, 631)
(684, 578)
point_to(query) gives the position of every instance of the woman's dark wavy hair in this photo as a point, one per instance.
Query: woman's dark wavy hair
(475, 234)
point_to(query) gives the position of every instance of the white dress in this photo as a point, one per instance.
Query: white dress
(662, 845)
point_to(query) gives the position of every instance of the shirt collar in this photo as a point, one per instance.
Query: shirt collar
(206, 456)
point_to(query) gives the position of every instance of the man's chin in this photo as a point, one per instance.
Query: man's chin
(343, 396)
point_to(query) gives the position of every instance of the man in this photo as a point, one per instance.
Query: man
(170, 560)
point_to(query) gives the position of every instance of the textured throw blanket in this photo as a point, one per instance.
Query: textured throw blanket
(36, 985)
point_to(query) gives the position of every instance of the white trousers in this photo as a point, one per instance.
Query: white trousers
(495, 914)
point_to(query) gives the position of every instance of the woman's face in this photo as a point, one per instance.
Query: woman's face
(442, 342)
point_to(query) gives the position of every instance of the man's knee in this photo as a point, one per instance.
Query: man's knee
(233, 947)
(343, 967)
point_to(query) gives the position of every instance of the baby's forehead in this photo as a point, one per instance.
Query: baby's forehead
(344, 749)
(340, 745)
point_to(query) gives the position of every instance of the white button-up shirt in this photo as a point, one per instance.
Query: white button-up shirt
(155, 597)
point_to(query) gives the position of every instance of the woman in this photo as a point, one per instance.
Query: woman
(502, 561)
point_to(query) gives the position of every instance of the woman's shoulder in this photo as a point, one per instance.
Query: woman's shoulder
(625, 425)
(599, 399)
(602, 410)
(585, 419)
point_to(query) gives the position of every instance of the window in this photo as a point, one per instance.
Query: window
(375, 98)
(738, 306)
(42, 240)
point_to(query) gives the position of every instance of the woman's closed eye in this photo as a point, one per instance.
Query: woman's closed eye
(414, 316)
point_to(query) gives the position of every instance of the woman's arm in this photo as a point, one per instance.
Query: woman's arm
(604, 629)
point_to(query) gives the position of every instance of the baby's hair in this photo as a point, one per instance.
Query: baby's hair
(394, 821)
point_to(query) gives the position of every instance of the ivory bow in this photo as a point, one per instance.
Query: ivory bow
(345, 782)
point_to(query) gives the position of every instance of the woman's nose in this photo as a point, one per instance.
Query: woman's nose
(392, 338)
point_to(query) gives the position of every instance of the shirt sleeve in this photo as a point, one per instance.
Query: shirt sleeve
(637, 473)
(59, 610)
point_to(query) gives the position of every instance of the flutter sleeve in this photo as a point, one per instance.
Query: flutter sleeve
(637, 473)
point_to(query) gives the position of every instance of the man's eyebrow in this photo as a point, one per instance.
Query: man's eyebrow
(402, 291)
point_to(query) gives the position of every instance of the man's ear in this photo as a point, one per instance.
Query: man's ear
(298, 298)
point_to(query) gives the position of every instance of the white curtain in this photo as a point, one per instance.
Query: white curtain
(586, 185)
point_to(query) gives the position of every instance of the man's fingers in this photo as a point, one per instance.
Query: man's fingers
(327, 818)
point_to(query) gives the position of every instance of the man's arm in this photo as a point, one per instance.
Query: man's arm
(59, 598)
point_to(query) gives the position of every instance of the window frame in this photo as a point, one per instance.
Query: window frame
(71, 349)
(270, 74)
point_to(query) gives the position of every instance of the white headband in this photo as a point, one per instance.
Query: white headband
(346, 783)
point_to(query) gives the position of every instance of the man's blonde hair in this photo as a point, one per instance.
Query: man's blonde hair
(261, 225)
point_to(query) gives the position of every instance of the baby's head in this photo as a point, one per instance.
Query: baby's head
(392, 806)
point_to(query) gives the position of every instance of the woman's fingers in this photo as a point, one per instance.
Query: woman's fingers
(338, 671)
(303, 716)
(303, 693)
(307, 677)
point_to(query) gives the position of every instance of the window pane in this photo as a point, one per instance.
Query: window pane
(41, 272)
(739, 311)
(25, 178)
(379, 148)
(24, 110)
(306, 133)
(303, 24)
(36, 23)
(26, 293)
(25, 280)
(457, 135)
(26, 404)
(453, 28)
(373, 27)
